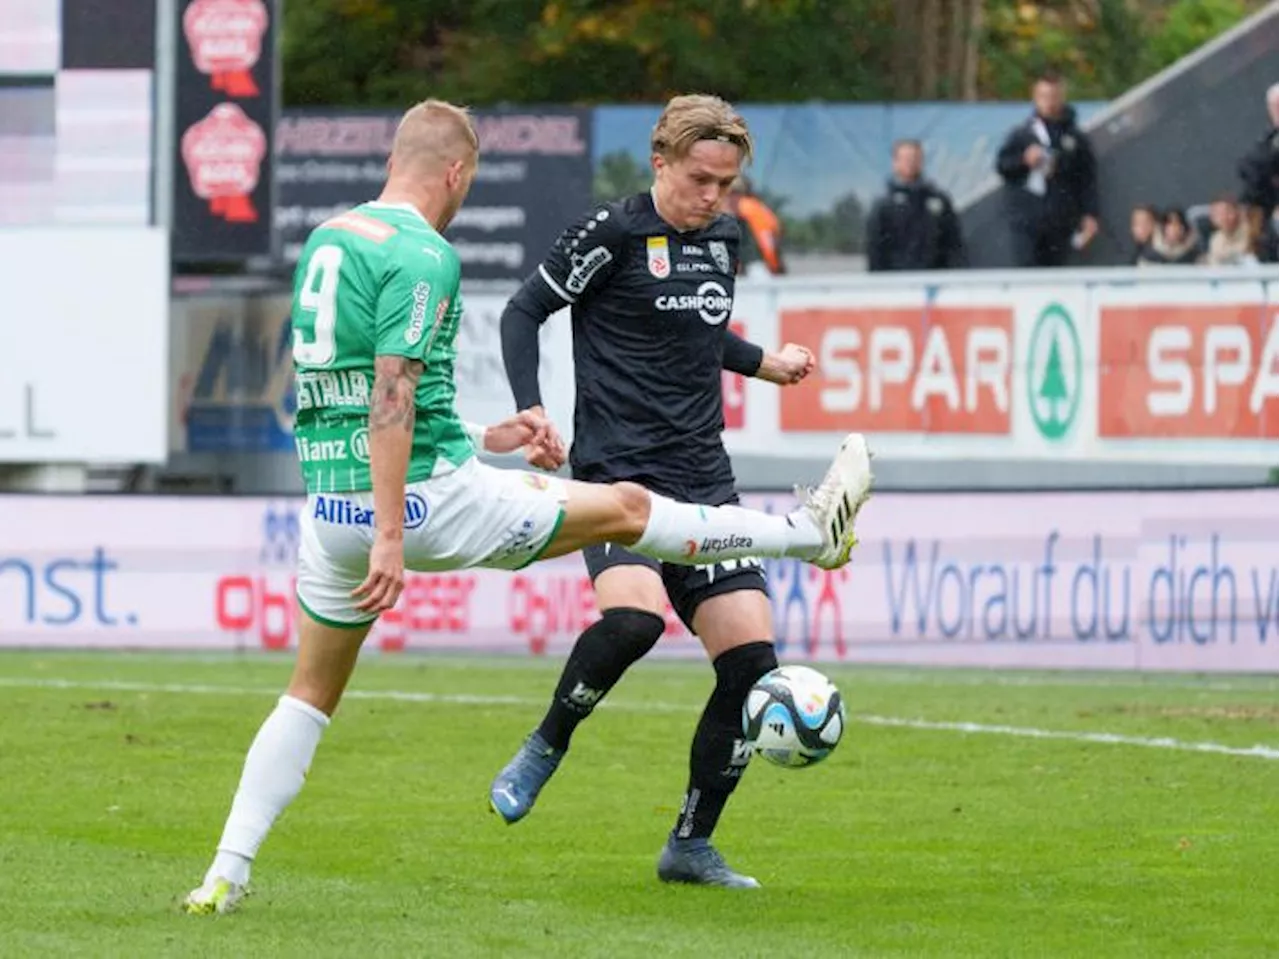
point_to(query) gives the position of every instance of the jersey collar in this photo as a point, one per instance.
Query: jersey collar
(407, 207)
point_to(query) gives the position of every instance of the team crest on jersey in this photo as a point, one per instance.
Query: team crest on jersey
(659, 256)
(720, 253)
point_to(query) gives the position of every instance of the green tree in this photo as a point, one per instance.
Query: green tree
(1053, 387)
(619, 174)
(384, 53)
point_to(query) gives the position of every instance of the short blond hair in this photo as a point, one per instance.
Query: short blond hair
(698, 116)
(434, 131)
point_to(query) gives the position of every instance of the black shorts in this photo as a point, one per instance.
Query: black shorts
(687, 586)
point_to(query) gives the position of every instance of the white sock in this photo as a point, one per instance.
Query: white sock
(274, 771)
(694, 535)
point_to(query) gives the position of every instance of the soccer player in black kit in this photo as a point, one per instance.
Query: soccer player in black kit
(651, 281)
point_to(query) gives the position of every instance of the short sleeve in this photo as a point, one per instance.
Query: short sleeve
(585, 255)
(417, 291)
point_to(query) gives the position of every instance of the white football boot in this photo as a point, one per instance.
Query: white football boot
(833, 506)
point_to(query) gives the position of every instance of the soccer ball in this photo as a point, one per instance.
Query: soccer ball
(793, 716)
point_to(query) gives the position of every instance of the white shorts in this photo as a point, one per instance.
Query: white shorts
(475, 515)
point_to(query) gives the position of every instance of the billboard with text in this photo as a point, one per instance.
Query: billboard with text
(84, 351)
(534, 176)
(1150, 581)
(1131, 367)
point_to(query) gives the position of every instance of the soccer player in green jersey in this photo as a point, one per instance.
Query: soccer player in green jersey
(393, 481)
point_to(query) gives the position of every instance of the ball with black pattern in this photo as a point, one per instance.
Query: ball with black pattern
(793, 716)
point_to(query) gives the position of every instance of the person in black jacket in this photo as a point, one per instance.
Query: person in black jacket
(1050, 177)
(914, 226)
(649, 281)
(1258, 172)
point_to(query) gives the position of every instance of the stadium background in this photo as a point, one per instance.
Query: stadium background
(1060, 485)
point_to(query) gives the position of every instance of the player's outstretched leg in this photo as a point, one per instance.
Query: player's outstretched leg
(279, 758)
(820, 532)
(601, 655)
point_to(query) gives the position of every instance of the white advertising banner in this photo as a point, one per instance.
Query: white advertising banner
(84, 354)
(1135, 366)
(1118, 365)
(1125, 580)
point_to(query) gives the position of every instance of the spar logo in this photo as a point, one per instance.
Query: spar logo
(1055, 369)
(223, 155)
(225, 37)
(712, 302)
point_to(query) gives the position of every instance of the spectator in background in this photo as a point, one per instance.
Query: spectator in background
(1259, 194)
(913, 226)
(1143, 223)
(1175, 242)
(1050, 177)
(761, 229)
(1268, 246)
(1231, 243)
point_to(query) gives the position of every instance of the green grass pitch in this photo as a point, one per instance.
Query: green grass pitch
(116, 771)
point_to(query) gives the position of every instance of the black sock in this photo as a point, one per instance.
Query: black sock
(719, 755)
(604, 651)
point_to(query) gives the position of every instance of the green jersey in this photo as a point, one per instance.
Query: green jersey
(376, 280)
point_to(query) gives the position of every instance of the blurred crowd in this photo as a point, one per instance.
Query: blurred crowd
(1050, 198)
(1233, 229)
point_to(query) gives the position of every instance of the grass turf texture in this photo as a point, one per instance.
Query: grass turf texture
(907, 842)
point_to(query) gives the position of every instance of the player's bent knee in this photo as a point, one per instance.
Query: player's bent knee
(632, 501)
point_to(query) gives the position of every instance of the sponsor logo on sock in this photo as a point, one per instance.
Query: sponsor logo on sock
(716, 544)
(687, 809)
(742, 752)
(690, 547)
(584, 695)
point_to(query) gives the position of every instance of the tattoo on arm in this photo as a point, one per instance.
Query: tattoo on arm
(395, 379)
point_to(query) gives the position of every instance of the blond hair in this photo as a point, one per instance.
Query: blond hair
(433, 132)
(698, 116)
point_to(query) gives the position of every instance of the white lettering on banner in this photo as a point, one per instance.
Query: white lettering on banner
(891, 361)
(1151, 581)
(1228, 361)
(489, 219)
(548, 135)
(505, 254)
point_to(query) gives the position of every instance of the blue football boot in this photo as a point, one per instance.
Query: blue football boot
(516, 788)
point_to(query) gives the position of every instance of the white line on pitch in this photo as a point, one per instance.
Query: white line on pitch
(406, 696)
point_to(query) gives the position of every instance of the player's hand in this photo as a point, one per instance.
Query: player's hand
(547, 455)
(789, 365)
(382, 587)
(797, 362)
(547, 451)
(527, 428)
